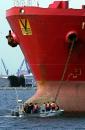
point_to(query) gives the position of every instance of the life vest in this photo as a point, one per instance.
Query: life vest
(36, 107)
(47, 105)
(53, 105)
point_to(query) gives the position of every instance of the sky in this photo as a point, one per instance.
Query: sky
(13, 57)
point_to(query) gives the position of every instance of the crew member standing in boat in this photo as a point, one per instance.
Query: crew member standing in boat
(31, 106)
(48, 106)
(54, 106)
(28, 108)
(43, 107)
(35, 108)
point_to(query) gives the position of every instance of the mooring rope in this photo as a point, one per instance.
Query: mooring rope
(65, 69)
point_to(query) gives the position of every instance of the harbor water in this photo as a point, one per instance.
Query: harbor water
(8, 122)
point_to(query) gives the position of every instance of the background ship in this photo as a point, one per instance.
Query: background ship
(53, 41)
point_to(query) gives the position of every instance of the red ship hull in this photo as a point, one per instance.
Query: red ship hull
(43, 37)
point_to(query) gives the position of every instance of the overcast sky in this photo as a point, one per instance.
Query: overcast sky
(13, 56)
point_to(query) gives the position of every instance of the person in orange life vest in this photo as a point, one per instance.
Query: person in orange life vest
(54, 106)
(35, 108)
(48, 106)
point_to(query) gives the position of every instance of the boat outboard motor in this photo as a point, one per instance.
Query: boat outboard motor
(12, 39)
(15, 113)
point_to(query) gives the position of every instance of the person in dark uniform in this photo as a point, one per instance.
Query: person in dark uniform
(28, 108)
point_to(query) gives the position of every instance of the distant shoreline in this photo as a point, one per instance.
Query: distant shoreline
(18, 88)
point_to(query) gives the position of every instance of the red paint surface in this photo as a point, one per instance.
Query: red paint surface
(46, 49)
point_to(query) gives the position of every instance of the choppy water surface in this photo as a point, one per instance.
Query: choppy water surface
(7, 122)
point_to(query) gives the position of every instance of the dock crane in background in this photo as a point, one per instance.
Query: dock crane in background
(29, 78)
(20, 68)
(6, 70)
(27, 66)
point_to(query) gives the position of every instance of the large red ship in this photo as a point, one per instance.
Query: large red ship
(53, 42)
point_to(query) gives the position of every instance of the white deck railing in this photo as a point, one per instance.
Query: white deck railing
(25, 3)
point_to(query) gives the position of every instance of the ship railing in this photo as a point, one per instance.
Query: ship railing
(25, 3)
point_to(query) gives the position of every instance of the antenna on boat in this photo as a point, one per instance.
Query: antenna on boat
(17, 98)
(16, 95)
